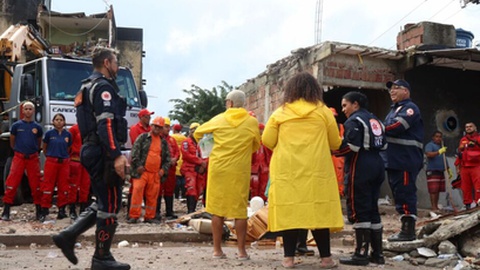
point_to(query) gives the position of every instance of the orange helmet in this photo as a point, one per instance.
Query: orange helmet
(333, 111)
(158, 121)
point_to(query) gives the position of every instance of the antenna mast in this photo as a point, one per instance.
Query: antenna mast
(318, 21)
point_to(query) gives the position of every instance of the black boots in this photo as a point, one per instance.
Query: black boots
(360, 257)
(61, 213)
(169, 207)
(103, 259)
(73, 212)
(43, 214)
(158, 208)
(377, 249)
(302, 244)
(407, 232)
(67, 238)
(191, 204)
(38, 212)
(6, 212)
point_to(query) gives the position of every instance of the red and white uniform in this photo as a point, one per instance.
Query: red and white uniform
(194, 182)
(168, 187)
(260, 170)
(470, 167)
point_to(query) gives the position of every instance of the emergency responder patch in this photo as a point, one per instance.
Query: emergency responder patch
(376, 127)
(66, 139)
(410, 112)
(106, 96)
(34, 130)
(185, 145)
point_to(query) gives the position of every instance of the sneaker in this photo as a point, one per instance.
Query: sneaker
(152, 221)
(132, 220)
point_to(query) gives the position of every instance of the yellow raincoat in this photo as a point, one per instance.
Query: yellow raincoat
(303, 190)
(236, 136)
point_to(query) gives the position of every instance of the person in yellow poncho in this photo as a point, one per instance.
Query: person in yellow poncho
(303, 190)
(236, 136)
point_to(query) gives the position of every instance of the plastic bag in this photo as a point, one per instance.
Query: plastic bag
(206, 145)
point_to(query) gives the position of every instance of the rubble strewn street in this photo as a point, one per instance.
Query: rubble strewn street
(177, 246)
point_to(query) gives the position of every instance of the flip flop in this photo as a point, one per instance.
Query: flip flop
(218, 257)
(244, 258)
(328, 266)
(288, 266)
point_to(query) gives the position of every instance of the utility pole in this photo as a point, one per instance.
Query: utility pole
(318, 21)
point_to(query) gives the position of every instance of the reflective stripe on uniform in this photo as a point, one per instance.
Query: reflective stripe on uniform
(405, 142)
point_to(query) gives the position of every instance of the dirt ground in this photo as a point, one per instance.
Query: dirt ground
(159, 255)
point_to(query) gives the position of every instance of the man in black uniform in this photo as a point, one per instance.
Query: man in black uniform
(100, 116)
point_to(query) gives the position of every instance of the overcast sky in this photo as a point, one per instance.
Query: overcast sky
(204, 42)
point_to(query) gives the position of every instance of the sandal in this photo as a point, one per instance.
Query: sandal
(244, 258)
(331, 265)
(219, 257)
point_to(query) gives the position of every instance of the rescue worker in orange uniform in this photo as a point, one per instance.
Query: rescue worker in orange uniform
(142, 126)
(79, 178)
(260, 169)
(180, 182)
(150, 161)
(168, 181)
(339, 162)
(193, 169)
(469, 153)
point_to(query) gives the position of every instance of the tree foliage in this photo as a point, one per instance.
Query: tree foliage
(200, 105)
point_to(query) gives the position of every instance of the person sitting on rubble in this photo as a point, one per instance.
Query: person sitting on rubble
(150, 161)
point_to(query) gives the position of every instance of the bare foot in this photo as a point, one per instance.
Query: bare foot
(288, 262)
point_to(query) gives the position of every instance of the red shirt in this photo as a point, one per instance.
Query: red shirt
(470, 150)
(136, 130)
(190, 155)
(173, 147)
(76, 142)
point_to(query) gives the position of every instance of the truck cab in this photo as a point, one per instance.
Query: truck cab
(51, 84)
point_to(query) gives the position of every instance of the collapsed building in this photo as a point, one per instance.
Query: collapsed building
(436, 59)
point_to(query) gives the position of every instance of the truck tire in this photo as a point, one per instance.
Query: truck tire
(19, 198)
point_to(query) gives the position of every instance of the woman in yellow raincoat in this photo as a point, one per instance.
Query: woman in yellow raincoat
(303, 189)
(236, 137)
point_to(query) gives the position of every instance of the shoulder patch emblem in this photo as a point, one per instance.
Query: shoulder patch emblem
(410, 111)
(34, 130)
(185, 145)
(376, 127)
(66, 139)
(106, 96)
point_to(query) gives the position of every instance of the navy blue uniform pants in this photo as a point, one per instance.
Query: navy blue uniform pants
(105, 182)
(404, 191)
(365, 175)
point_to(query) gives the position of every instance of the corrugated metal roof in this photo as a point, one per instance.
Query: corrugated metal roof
(459, 58)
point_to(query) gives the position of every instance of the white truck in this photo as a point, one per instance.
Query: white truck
(51, 84)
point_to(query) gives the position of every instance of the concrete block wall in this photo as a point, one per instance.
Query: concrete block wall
(265, 92)
(431, 34)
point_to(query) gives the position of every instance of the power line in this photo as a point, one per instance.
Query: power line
(397, 23)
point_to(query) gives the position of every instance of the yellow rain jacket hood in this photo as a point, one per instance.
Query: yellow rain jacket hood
(236, 137)
(303, 189)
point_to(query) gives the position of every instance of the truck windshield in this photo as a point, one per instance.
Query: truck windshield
(65, 79)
